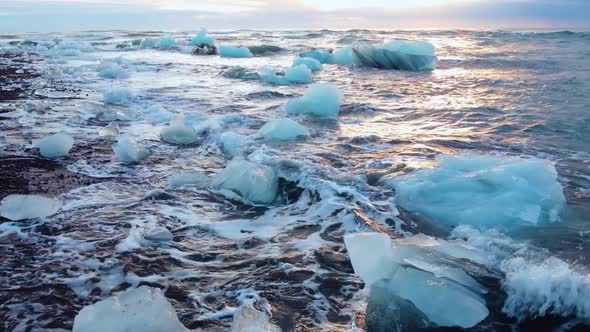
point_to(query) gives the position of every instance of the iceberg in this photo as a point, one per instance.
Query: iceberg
(411, 273)
(321, 100)
(232, 143)
(56, 145)
(157, 234)
(312, 64)
(344, 56)
(296, 75)
(282, 130)
(324, 57)
(188, 179)
(483, 191)
(143, 309)
(179, 133)
(255, 183)
(111, 70)
(148, 43)
(21, 207)
(128, 151)
(118, 96)
(397, 54)
(248, 319)
(234, 52)
(166, 43)
(299, 75)
(264, 49)
(202, 39)
(110, 130)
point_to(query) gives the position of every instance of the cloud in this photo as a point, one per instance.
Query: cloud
(69, 15)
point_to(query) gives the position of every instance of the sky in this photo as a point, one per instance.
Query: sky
(78, 15)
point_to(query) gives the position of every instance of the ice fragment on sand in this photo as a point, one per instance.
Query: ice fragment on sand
(56, 145)
(179, 133)
(142, 309)
(248, 319)
(253, 182)
(20, 207)
(128, 151)
(376, 258)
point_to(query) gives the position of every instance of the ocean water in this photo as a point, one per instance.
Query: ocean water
(500, 93)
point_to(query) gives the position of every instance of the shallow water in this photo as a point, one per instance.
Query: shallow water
(494, 92)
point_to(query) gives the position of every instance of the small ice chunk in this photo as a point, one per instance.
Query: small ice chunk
(413, 274)
(56, 145)
(397, 54)
(128, 151)
(483, 191)
(158, 114)
(157, 234)
(232, 142)
(148, 43)
(166, 43)
(321, 100)
(299, 75)
(254, 182)
(20, 207)
(112, 70)
(234, 52)
(282, 130)
(202, 39)
(248, 319)
(189, 179)
(143, 309)
(179, 133)
(118, 96)
(312, 64)
(112, 129)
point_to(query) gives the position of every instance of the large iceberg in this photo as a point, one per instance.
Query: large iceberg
(234, 52)
(255, 183)
(56, 145)
(397, 54)
(142, 309)
(282, 130)
(202, 39)
(179, 133)
(20, 207)
(321, 100)
(312, 64)
(483, 191)
(128, 151)
(414, 271)
(248, 319)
